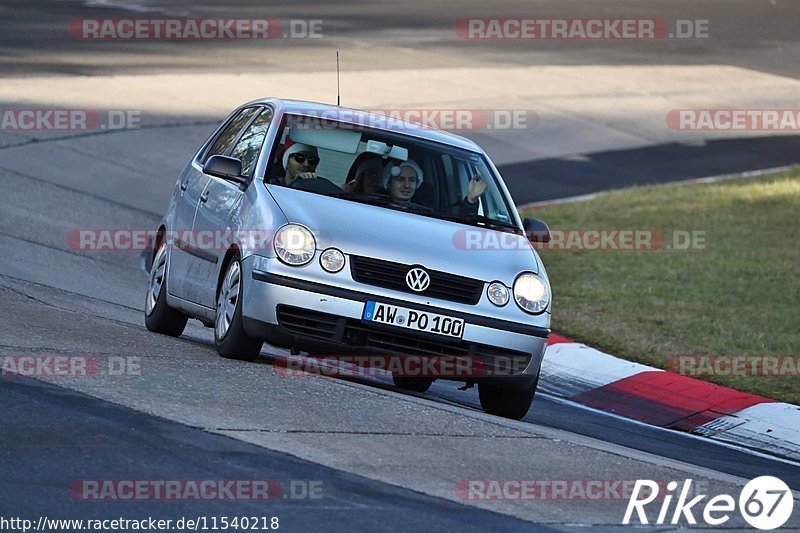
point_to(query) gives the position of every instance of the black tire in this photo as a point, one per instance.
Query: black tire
(508, 403)
(158, 316)
(233, 342)
(412, 384)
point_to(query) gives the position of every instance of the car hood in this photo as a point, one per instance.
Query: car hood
(408, 238)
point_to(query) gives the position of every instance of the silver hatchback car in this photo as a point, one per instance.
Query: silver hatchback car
(346, 233)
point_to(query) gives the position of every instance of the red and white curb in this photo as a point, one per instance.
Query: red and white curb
(590, 377)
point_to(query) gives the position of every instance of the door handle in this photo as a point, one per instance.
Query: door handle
(184, 185)
(204, 197)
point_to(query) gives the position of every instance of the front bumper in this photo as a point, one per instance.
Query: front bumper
(325, 319)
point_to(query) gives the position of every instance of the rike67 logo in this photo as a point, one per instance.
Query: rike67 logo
(765, 503)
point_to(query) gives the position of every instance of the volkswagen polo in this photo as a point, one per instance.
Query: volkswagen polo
(338, 231)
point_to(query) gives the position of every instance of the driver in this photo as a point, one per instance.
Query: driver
(300, 161)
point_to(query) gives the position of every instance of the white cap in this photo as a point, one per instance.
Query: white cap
(394, 169)
(368, 164)
(297, 147)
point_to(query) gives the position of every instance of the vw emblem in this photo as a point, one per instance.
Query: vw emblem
(418, 280)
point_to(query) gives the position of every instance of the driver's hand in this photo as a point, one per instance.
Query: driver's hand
(477, 186)
(305, 176)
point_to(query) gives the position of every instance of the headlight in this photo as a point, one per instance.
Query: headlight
(294, 245)
(332, 260)
(498, 293)
(531, 293)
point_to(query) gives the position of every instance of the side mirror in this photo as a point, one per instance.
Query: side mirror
(536, 230)
(227, 168)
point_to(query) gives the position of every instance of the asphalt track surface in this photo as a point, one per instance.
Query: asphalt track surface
(59, 301)
(548, 179)
(761, 35)
(156, 449)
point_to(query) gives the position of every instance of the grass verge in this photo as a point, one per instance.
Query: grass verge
(734, 292)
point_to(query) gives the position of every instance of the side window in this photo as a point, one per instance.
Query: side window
(249, 146)
(457, 180)
(451, 190)
(230, 133)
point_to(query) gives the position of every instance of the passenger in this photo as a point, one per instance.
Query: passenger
(469, 205)
(367, 177)
(402, 179)
(300, 161)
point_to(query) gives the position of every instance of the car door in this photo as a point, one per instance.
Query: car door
(186, 256)
(220, 203)
(191, 187)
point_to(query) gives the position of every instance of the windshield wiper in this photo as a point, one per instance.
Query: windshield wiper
(482, 221)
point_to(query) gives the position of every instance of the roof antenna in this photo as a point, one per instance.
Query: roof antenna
(338, 98)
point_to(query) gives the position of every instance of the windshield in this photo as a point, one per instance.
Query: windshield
(389, 170)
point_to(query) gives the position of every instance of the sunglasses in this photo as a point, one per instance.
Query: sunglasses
(301, 158)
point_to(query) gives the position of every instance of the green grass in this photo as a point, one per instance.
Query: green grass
(739, 295)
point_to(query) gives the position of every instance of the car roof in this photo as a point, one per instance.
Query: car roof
(368, 118)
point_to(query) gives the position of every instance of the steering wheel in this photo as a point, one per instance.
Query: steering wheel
(317, 185)
(415, 205)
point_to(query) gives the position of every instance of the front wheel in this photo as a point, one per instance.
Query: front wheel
(158, 316)
(230, 338)
(508, 403)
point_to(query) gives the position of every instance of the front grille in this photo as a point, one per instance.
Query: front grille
(390, 275)
(368, 338)
(311, 324)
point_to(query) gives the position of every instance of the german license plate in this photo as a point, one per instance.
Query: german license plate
(413, 319)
